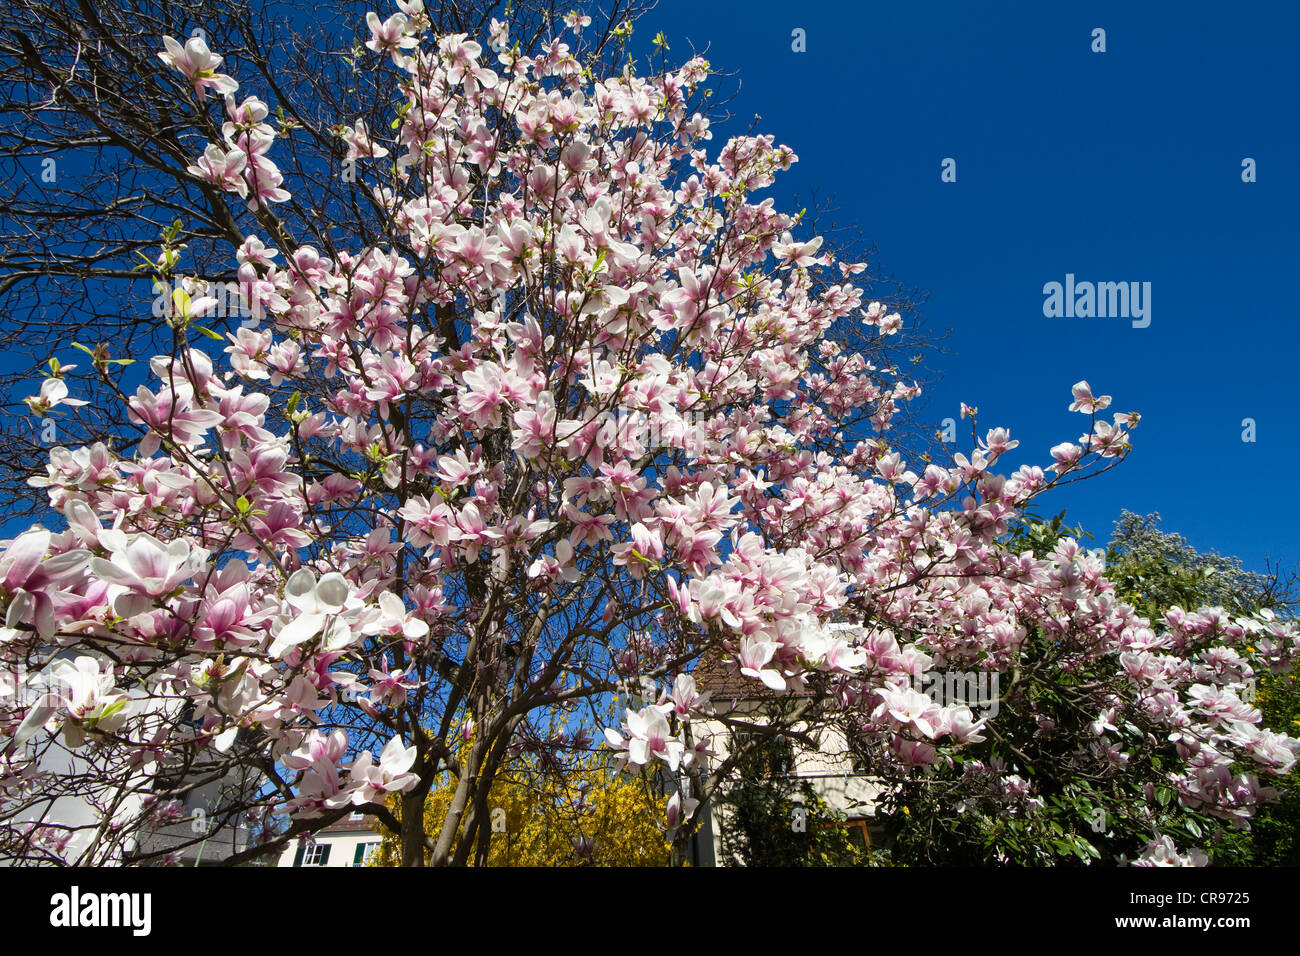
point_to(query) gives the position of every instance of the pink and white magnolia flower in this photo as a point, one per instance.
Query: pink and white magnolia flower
(223, 169)
(576, 21)
(754, 657)
(393, 618)
(1085, 402)
(360, 145)
(170, 415)
(28, 577)
(679, 810)
(318, 749)
(910, 707)
(390, 689)
(315, 601)
(1162, 852)
(390, 35)
(371, 782)
(648, 737)
(821, 649)
(642, 553)
(198, 64)
(959, 722)
(686, 698)
(87, 698)
(802, 254)
(54, 392)
(141, 569)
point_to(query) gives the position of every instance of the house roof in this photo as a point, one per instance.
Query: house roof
(722, 680)
(718, 672)
(345, 824)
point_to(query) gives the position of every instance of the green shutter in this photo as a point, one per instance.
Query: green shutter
(360, 856)
(325, 857)
(297, 857)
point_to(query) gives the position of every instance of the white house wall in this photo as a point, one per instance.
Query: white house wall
(828, 769)
(343, 847)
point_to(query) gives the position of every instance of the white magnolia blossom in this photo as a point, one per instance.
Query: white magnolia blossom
(1163, 852)
(391, 616)
(648, 738)
(86, 695)
(392, 775)
(754, 658)
(685, 698)
(54, 392)
(142, 569)
(316, 601)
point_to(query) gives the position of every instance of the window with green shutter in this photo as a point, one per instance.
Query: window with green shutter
(363, 852)
(317, 855)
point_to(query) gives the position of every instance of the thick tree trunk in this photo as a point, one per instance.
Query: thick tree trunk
(413, 827)
(442, 852)
(484, 843)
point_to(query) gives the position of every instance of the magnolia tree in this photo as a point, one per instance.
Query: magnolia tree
(585, 413)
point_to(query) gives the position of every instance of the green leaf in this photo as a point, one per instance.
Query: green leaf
(111, 709)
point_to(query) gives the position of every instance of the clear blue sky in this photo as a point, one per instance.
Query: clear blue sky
(1116, 166)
